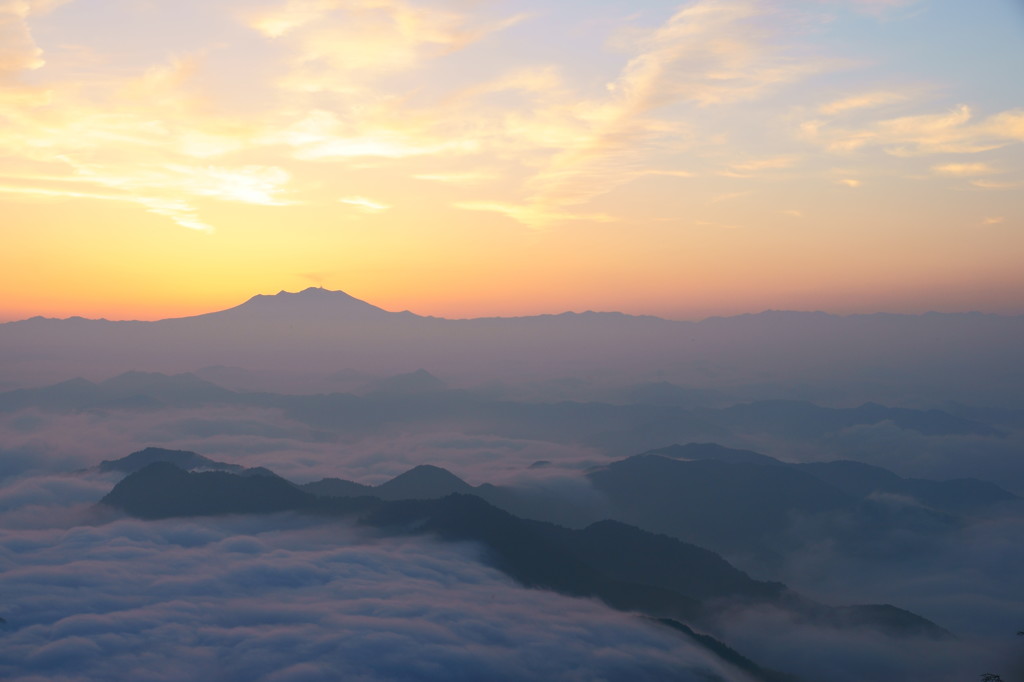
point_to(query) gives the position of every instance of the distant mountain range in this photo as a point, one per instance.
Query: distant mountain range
(419, 401)
(319, 332)
(624, 566)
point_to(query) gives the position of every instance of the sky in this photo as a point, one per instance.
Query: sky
(463, 158)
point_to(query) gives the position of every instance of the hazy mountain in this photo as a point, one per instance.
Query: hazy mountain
(182, 459)
(417, 400)
(667, 393)
(420, 381)
(429, 482)
(422, 482)
(714, 451)
(130, 390)
(162, 490)
(891, 620)
(965, 357)
(958, 496)
(727, 506)
(337, 487)
(802, 419)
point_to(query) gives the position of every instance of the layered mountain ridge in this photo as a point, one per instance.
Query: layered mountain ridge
(623, 566)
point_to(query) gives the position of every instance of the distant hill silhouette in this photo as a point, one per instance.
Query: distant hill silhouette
(957, 496)
(420, 381)
(130, 390)
(804, 419)
(183, 459)
(723, 505)
(422, 482)
(429, 482)
(692, 451)
(420, 400)
(162, 490)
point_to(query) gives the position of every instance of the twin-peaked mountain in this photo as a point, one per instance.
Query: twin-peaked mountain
(971, 357)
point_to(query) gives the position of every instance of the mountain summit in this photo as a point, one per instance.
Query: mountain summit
(308, 303)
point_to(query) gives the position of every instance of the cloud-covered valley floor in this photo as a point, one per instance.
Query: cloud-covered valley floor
(87, 595)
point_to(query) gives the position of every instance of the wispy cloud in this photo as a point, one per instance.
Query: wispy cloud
(867, 100)
(728, 196)
(153, 149)
(364, 204)
(167, 190)
(531, 215)
(18, 48)
(455, 178)
(996, 184)
(338, 45)
(721, 226)
(878, 8)
(964, 169)
(950, 132)
(709, 53)
(322, 135)
(349, 83)
(754, 167)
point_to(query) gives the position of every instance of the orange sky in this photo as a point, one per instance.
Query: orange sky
(506, 157)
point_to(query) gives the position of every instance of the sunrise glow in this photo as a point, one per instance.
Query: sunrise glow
(682, 159)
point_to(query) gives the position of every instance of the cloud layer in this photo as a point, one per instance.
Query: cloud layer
(278, 599)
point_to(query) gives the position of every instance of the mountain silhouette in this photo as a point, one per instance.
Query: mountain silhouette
(429, 482)
(719, 453)
(163, 490)
(956, 496)
(310, 302)
(964, 357)
(420, 381)
(422, 482)
(728, 506)
(337, 487)
(626, 567)
(802, 419)
(129, 390)
(183, 459)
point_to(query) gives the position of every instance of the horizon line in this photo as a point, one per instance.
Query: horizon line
(321, 288)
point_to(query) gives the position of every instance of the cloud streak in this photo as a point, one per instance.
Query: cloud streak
(953, 132)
